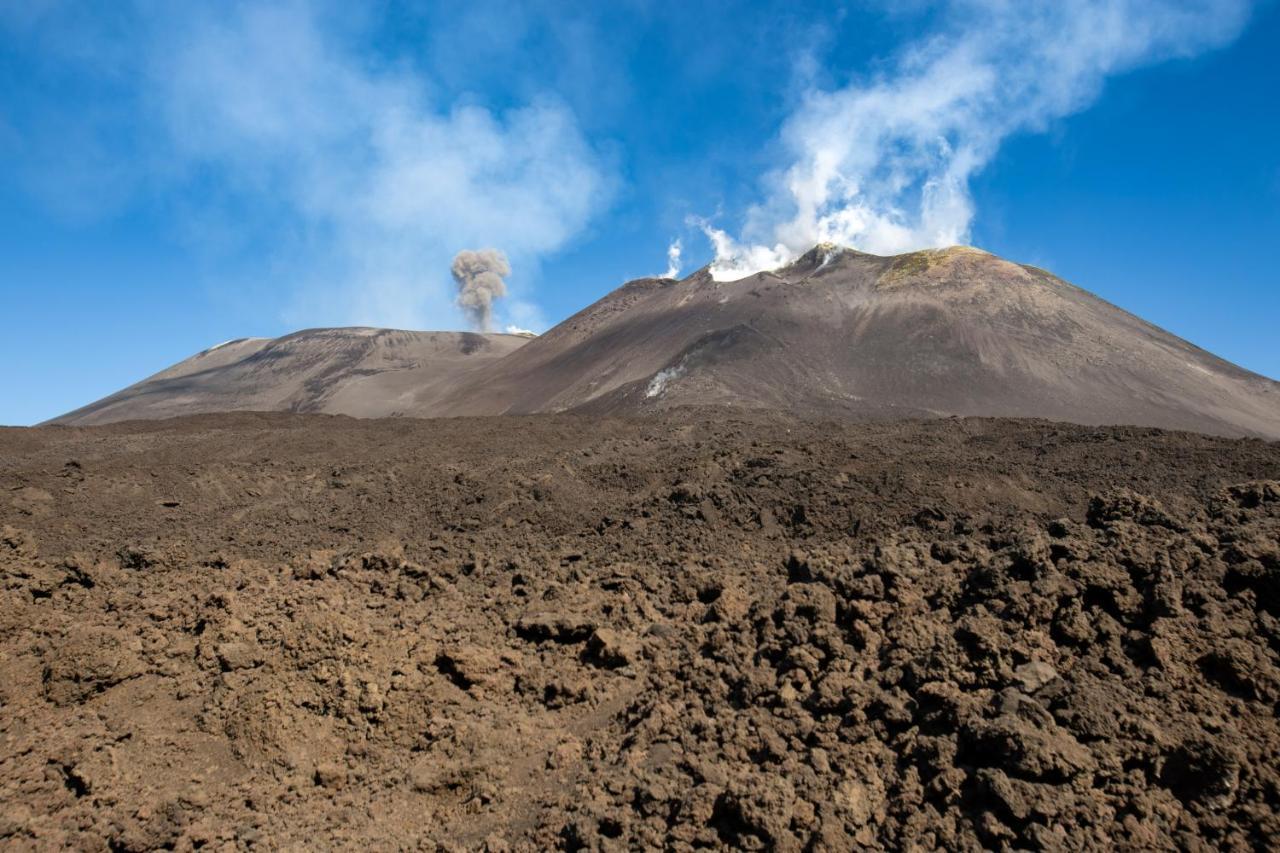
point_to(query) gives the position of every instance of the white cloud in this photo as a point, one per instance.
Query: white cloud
(884, 163)
(381, 185)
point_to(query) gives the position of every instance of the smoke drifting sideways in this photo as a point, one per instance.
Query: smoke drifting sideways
(479, 274)
(884, 164)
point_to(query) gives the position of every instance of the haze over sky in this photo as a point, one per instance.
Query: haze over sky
(176, 175)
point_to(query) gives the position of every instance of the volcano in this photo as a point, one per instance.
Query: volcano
(837, 333)
(363, 372)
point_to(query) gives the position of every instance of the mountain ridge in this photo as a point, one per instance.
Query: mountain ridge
(358, 370)
(838, 332)
(938, 332)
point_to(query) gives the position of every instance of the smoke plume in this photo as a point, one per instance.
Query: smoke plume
(884, 164)
(673, 260)
(479, 275)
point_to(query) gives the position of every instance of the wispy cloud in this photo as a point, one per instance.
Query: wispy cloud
(271, 125)
(884, 164)
(383, 184)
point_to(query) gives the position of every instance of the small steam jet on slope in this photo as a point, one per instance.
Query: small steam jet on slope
(841, 333)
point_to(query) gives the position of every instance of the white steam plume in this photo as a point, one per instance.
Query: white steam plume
(884, 164)
(673, 260)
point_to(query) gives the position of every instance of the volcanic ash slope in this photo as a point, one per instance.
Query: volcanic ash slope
(947, 332)
(363, 372)
(838, 333)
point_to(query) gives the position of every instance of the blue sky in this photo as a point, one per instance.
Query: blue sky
(175, 175)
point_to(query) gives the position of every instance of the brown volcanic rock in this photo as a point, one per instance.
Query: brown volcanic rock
(944, 332)
(690, 630)
(362, 372)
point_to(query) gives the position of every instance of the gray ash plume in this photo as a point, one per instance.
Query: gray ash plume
(479, 274)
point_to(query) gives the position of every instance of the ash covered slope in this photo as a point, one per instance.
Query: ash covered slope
(353, 371)
(953, 331)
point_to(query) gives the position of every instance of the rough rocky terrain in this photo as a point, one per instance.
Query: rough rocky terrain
(702, 629)
(837, 333)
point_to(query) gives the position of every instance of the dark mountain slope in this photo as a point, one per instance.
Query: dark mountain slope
(947, 332)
